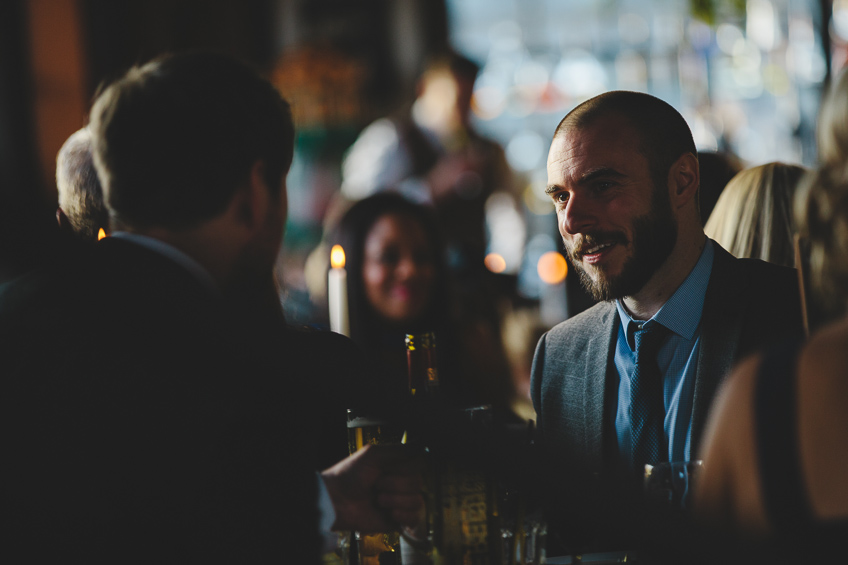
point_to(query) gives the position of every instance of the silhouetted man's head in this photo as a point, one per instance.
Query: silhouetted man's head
(174, 138)
(193, 150)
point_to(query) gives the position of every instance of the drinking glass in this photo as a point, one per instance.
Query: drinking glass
(523, 531)
(671, 484)
(382, 548)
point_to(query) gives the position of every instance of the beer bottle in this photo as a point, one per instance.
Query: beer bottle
(423, 366)
(467, 519)
(462, 515)
(423, 383)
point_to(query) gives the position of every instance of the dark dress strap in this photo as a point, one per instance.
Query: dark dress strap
(776, 422)
(797, 531)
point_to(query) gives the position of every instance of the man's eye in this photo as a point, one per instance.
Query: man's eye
(561, 197)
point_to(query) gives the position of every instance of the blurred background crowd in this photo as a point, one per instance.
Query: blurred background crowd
(451, 103)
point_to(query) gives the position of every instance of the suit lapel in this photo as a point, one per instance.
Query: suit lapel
(600, 377)
(721, 326)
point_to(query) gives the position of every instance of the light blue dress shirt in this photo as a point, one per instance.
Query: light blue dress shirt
(677, 359)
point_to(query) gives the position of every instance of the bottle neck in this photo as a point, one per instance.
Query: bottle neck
(422, 363)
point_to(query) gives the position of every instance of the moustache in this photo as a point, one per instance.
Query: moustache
(580, 246)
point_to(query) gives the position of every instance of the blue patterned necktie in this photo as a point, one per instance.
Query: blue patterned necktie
(647, 410)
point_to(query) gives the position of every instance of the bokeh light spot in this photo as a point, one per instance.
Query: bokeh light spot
(552, 267)
(495, 263)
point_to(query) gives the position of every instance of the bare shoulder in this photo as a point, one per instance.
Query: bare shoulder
(822, 365)
(823, 420)
(740, 386)
(825, 357)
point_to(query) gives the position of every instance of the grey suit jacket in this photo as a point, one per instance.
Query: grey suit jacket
(748, 305)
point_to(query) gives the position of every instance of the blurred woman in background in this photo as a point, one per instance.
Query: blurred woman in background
(753, 215)
(398, 284)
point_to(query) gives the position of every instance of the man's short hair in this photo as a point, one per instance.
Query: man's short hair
(174, 138)
(453, 61)
(665, 134)
(80, 193)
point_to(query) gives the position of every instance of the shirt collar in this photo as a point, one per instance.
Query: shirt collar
(682, 312)
(160, 247)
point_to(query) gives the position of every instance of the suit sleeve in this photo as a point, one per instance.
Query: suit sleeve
(536, 375)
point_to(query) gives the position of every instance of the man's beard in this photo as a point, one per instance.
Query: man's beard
(654, 236)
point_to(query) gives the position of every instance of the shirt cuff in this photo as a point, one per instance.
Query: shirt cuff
(328, 516)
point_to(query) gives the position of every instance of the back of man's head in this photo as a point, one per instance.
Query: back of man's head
(174, 138)
(80, 193)
(664, 133)
(445, 89)
(458, 64)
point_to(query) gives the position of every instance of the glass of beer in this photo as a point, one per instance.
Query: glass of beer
(670, 484)
(383, 548)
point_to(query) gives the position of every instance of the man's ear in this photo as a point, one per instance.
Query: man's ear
(684, 179)
(252, 199)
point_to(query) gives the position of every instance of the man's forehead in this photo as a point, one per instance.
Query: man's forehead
(607, 138)
(614, 125)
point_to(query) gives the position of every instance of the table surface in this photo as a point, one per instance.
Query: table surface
(594, 558)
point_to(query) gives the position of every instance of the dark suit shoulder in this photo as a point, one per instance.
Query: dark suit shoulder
(764, 298)
(745, 271)
(314, 340)
(323, 352)
(754, 280)
(764, 270)
(146, 419)
(741, 282)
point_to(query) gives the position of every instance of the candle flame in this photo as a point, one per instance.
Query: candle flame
(101, 234)
(337, 257)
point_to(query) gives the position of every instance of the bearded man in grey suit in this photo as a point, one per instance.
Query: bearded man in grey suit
(623, 175)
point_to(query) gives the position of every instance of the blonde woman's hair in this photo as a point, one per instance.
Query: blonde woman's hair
(753, 215)
(821, 205)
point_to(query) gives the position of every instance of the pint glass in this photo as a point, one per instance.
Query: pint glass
(383, 548)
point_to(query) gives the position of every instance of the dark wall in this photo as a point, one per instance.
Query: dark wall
(117, 35)
(120, 34)
(368, 30)
(27, 228)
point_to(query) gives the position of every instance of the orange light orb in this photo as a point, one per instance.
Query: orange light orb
(552, 267)
(495, 263)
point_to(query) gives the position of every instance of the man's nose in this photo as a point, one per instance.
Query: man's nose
(578, 216)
